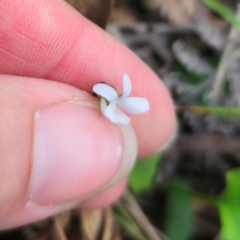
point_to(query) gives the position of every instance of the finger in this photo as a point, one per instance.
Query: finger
(62, 45)
(30, 213)
(56, 151)
(105, 198)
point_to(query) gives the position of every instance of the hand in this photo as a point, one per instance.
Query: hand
(56, 151)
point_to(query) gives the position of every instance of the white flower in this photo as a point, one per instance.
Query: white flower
(111, 102)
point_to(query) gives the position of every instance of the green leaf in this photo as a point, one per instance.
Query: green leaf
(179, 211)
(143, 174)
(229, 207)
(219, 111)
(224, 12)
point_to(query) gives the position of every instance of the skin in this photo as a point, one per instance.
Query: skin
(56, 152)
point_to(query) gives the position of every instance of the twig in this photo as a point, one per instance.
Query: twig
(58, 230)
(216, 93)
(136, 212)
(208, 142)
(109, 225)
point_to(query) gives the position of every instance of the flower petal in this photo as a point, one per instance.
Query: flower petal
(105, 91)
(127, 85)
(122, 117)
(109, 113)
(134, 105)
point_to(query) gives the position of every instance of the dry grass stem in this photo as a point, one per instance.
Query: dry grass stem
(216, 93)
(109, 225)
(58, 230)
(91, 223)
(140, 218)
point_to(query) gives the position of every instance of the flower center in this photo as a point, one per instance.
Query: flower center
(115, 104)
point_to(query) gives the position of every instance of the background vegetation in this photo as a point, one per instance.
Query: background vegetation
(191, 191)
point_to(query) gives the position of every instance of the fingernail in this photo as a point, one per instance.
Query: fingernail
(76, 152)
(129, 158)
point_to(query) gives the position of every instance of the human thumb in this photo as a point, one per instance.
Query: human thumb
(56, 150)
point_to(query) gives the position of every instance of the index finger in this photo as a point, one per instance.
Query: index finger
(49, 39)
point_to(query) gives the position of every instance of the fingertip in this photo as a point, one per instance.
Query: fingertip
(75, 51)
(106, 197)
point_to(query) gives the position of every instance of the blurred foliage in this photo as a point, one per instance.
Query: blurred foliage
(179, 219)
(193, 62)
(229, 207)
(224, 12)
(143, 174)
(128, 223)
(184, 43)
(190, 80)
(218, 111)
